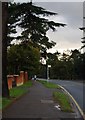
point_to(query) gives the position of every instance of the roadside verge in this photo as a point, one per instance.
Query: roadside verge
(80, 110)
(15, 94)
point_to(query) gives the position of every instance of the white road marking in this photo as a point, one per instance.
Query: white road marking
(58, 107)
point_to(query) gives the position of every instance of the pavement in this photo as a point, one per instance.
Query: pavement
(0, 115)
(37, 103)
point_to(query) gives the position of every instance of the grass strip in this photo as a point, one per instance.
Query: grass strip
(49, 84)
(5, 102)
(63, 101)
(15, 93)
(27, 84)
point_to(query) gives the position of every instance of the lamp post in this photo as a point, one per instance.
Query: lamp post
(48, 67)
(44, 62)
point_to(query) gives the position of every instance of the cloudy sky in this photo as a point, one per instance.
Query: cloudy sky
(70, 13)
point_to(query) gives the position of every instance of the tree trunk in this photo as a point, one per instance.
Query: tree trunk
(5, 91)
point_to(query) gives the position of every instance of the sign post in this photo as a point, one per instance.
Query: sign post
(48, 66)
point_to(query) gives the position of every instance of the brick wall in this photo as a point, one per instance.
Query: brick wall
(10, 78)
(26, 77)
(17, 80)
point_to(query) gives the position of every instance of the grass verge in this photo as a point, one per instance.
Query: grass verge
(63, 100)
(49, 85)
(27, 84)
(15, 93)
(5, 102)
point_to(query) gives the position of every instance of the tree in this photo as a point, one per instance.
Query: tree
(5, 92)
(23, 57)
(34, 28)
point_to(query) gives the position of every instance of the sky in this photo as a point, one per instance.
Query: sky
(49, 0)
(70, 13)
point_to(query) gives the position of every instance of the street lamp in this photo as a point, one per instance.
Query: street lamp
(44, 62)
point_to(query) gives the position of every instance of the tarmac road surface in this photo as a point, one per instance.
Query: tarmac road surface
(76, 89)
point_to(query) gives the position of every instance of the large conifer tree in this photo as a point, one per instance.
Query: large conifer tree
(34, 27)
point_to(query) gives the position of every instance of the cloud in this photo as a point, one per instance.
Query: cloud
(66, 38)
(70, 13)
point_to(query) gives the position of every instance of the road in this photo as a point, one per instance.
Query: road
(76, 89)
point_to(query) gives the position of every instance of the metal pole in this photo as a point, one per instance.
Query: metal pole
(47, 73)
(46, 68)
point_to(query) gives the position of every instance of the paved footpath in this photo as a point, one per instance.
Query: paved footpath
(37, 103)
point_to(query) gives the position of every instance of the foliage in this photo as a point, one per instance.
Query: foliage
(23, 57)
(34, 26)
(65, 66)
(31, 19)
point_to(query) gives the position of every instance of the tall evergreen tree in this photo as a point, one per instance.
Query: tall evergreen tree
(34, 28)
